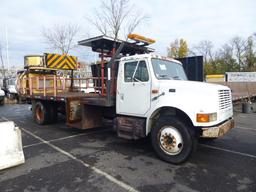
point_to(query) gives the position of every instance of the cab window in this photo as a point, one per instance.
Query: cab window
(136, 71)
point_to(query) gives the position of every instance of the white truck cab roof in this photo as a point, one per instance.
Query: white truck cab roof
(149, 55)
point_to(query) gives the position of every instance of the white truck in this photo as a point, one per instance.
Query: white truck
(9, 86)
(142, 94)
(2, 95)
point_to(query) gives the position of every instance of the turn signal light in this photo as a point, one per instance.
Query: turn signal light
(205, 118)
(202, 118)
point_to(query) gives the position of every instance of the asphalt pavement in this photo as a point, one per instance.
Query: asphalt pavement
(59, 158)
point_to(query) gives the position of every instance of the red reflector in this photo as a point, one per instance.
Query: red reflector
(155, 91)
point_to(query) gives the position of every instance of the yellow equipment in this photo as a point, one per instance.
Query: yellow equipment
(56, 61)
(33, 61)
(51, 61)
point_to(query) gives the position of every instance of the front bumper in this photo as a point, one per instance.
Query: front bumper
(217, 131)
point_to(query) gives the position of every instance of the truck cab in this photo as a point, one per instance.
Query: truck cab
(175, 111)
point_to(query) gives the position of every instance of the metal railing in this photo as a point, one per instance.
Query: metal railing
(52, 85)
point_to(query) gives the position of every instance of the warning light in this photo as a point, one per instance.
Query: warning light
(140, 38)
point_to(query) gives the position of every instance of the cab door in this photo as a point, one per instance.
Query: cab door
(133, 89)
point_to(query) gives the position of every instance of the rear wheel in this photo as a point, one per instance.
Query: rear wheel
(172, 140)
(40, 113)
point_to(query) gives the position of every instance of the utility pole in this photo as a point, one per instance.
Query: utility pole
(2, 62)
(7, 49)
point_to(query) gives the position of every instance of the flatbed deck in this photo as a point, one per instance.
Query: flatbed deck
(63, 96)
(85, 98)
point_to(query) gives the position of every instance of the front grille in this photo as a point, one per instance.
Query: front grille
(224, 99)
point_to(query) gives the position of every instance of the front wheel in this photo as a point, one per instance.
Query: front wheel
(172, 140)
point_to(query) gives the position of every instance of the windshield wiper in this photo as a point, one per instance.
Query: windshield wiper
(176, 77)
(167, 77)
(163, 76)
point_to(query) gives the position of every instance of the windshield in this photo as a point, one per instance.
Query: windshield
(11, 81)
(164, 69)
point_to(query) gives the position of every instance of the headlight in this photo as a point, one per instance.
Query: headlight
(206, 117)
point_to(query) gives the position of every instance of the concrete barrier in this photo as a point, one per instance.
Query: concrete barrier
(11, 153)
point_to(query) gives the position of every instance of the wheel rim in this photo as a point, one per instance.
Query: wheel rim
(170, 140)
(39, 113)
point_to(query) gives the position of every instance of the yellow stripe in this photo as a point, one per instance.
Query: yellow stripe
(66, 67)
(72, 64)
(69, 64)
(49, 55)
(71, 60)
(55, 64)
(50, 61)
(59, 66)
(215, 76)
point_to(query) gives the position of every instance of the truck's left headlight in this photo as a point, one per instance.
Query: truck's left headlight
(206, 117)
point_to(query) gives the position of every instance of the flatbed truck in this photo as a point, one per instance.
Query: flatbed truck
(141, 93)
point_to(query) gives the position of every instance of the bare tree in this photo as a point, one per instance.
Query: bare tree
(205, 48)
(239, 46)
(250, 54)
(115, 16)
(61, 37)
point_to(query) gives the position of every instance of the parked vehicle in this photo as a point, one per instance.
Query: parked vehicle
(9, 87)
(141, 93)
(2, 97)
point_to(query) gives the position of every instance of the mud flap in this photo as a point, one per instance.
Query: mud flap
(11, 153)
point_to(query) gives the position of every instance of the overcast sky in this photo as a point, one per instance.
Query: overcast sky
(214, 20)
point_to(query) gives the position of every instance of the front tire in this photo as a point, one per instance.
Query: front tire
(172, 140)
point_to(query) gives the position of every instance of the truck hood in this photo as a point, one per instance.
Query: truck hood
(191, 85)
(198, 96)
(192, 98)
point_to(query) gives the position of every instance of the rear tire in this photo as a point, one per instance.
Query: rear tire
(172, 140)
(40, 113)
